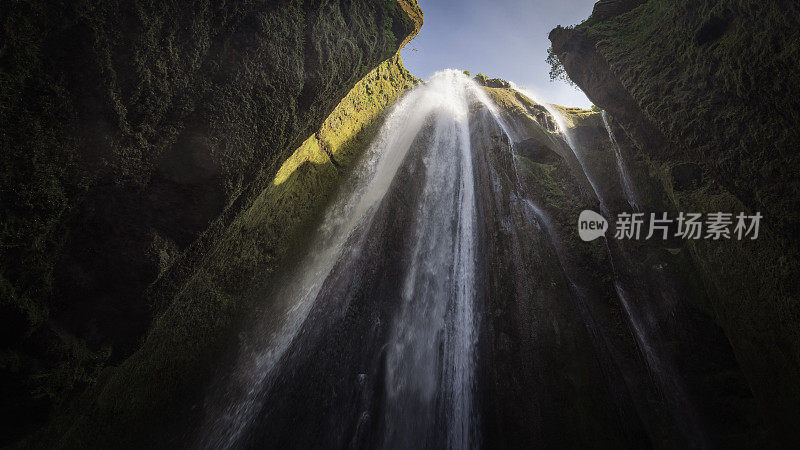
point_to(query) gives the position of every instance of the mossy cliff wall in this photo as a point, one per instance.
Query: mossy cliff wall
(584, 374)
(129, 129)
(154, 394)
(709, 84)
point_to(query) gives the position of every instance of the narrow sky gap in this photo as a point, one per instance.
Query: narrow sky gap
(501, 38)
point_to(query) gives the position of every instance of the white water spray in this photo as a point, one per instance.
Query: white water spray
(432, 349)
(438, 310)
(563, 128)
(649, 340)
(628, 187)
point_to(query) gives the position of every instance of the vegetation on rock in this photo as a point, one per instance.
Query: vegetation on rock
(130, 130)
(229, 276)
(709, 83)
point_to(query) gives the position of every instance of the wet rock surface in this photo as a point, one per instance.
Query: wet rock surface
(687, 176)
(534, 150)
(138, 127)
(655, 81)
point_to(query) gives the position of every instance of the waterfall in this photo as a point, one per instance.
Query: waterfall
(342, 227)
(646, 329)
(430, 348)
(628, 187)
(564, 129)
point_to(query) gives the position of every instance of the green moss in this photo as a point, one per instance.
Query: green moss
(507, 99)
(96, 99)
(717, 79)
(192, 328)
(553, 187)
(577, 117)
(724, 93)
(415, 17)
(532, 114)
(753, 286)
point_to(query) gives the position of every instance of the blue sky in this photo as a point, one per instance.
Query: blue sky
(500, 38)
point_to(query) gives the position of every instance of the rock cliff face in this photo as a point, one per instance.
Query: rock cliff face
(132, 129)
(201, 298)
(578, 329)
(702, 91)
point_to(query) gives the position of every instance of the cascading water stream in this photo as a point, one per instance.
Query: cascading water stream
(577, 290)
(431, 343)
(563, 128)
(390, 287)
(628, 187)
(342, 227)
(646, 331)
(540, 216)
(432, 348)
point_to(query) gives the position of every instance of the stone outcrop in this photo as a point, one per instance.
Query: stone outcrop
(497, 83)
(592, 295)
(606, 9)
(589, 70)
(212, 287)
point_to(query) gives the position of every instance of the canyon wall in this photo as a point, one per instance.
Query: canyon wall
(703, 92)
(598, 343)
(136, 136)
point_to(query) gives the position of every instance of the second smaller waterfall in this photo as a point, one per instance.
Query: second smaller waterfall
(628, 187)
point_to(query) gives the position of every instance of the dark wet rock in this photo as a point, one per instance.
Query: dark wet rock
(498, 83)
(711, 30)
(535, 150)
(687, 176)
(542, 117)
(589, 70)
(659, 83)
(136, 127)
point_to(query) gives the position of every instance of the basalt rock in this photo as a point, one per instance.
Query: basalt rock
(535, 150)
(605, 9)
(687, 176)
(130, 128)
(694, 88)
(587, 68)
(497, 83)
